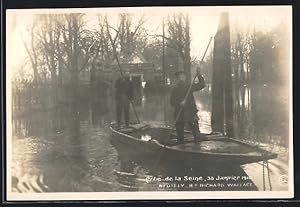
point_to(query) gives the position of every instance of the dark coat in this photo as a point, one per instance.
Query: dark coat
(124, 89)
(178, 94)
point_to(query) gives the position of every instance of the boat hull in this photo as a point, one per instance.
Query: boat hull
(186, 154)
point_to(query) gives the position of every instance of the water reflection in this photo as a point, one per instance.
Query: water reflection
(261, 114)
(69, 149)
(135, 171)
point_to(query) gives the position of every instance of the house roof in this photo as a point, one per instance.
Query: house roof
(135, 58)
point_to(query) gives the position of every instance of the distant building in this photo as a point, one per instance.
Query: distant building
(140, 71)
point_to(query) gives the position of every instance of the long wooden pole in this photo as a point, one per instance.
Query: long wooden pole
(120, 69)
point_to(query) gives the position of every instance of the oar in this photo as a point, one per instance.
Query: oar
(121, 72)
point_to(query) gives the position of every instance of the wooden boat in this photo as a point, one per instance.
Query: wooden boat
(213, 149)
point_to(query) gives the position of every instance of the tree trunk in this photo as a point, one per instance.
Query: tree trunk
(74, 61)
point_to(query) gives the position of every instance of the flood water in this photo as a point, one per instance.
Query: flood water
(69, 148)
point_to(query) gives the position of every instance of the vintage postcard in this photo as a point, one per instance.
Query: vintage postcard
(149, 103)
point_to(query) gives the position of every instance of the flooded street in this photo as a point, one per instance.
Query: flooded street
(69, 149)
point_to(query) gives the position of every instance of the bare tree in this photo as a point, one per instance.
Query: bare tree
(75, 48)
(104, 51)
(129, 37)
(240, 50)
(32, 49)
(178, 42)
(48, 37)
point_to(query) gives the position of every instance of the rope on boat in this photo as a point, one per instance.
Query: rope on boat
(265, 164)
(269, 179)
(263, 171)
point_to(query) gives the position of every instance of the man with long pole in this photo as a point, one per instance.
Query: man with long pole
(183, 101)
(185, 107)
(124, 95)
(122, 76)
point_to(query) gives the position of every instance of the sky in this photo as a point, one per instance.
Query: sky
(203, 22)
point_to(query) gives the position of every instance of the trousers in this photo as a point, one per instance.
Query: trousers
(122, 107)
(180, 130)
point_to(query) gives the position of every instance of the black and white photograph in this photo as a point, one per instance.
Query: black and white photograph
(147, 103)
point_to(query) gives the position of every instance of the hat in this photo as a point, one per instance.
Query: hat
(177, 73)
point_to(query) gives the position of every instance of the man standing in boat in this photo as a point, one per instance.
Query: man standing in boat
(124, 94)
(185, 109)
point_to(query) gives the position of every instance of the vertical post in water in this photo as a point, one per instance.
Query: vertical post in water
(228, 79)
(217, 115)
(222, 99)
